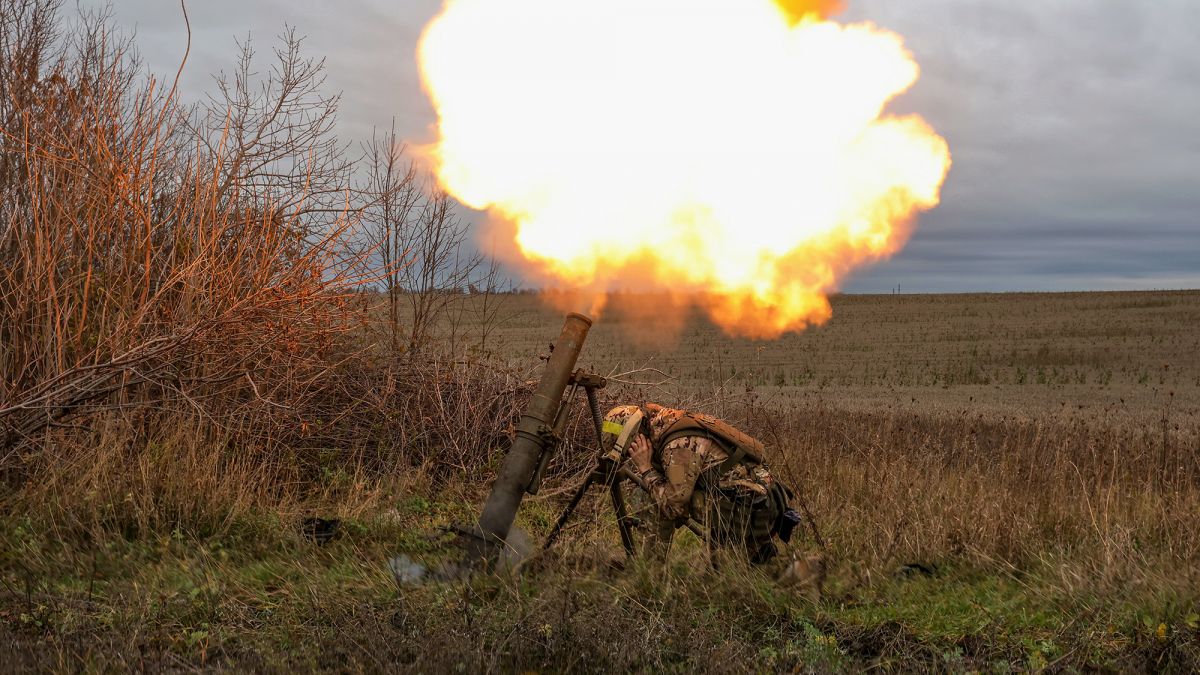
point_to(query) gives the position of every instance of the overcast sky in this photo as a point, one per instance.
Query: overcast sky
(1074, 124)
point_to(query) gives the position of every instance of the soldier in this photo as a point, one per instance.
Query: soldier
(696, 466)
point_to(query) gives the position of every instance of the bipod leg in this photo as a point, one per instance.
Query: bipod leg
(566, 514)
(597, 418)
(618, 500)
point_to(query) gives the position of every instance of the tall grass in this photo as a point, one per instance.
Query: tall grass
(945, 487)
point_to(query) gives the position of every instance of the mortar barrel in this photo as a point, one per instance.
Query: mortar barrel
(500, 509)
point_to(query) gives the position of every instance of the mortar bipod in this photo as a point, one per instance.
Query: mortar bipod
(606, 471)
(552, 435)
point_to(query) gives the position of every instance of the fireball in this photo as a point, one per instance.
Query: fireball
(733, 152)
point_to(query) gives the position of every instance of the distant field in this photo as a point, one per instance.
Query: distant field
(1124, 357)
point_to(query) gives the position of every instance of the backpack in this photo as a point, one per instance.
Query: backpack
(767, 517)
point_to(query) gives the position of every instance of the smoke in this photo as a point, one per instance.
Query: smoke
(820, 9)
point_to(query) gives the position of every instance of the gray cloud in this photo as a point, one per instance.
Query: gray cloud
(1075, 124)
(1074, 129)
(369, 47)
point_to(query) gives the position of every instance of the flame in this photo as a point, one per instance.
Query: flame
(734, 151)
(798, 10)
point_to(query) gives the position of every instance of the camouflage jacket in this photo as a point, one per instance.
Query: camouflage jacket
(683, 460)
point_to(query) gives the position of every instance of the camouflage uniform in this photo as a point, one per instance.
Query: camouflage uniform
(685, 480)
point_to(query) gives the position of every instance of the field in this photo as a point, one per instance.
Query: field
(1004, 482)
(1116, 355)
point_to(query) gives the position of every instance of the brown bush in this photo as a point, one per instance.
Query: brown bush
(145, 278)
(187, 321)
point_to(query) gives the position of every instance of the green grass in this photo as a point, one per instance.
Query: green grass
(265, 598)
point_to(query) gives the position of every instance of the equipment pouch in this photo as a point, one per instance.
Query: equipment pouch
(788, 522)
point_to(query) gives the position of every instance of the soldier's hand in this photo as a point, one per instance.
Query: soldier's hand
(639, 452)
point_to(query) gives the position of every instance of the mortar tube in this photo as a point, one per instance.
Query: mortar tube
(500, 509)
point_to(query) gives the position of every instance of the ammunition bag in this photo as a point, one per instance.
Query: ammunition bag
(742, 447)
(787, 523)
(754, 519)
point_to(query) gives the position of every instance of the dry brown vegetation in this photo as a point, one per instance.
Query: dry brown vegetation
(188, 277)
(217, 320)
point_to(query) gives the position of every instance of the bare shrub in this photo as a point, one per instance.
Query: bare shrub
(270, 138)
(389, 221)
(427, 265)
(182, 315)
(144, 269)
